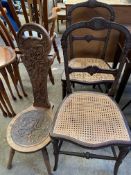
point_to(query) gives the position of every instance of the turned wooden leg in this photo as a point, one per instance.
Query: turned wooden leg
(18, 77)
(6, 98)
(46, 160)
(58, 26)
(56, 50)
(3, 111)
(56, 153)
(122, 154)
(51, 76)
(10, 70)
(5, 76)
(12, 152)
(63, 89)
(5, 106)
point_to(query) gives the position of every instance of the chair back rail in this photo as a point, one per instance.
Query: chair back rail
(96, 24)
(93, 4)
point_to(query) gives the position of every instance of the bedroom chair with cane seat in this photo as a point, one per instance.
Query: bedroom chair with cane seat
(95, 54)
(29, 130)
(88, 119)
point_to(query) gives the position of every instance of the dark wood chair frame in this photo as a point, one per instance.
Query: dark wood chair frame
(124, 148)
(93, 4)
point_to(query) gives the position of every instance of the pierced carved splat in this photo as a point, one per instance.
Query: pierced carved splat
(35, 52)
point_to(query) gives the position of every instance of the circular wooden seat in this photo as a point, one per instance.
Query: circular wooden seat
(7, 56)
(86, 77)
(29, 130)
(91, 119)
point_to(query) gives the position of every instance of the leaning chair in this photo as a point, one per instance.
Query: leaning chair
(29, 130)
(97, 50)
(88, 119)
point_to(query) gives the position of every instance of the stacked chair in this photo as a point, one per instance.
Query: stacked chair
(89, 58)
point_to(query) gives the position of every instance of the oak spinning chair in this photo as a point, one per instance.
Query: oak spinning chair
(88, 119)
(29, 130)
(95, 53)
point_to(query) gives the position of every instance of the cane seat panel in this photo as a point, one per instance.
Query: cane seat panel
(29, 130)
(91, 119)
(86, 77)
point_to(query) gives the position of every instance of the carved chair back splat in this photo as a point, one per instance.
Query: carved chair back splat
(35, 52)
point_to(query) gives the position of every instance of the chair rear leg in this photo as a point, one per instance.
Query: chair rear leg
(5, 106)
(5, 76)
(122, 154)
(51, 76)
(3, 111)
(56, 50)
(10, 70)
(6, 98)
(63, 89)
(56, 153)
(46, 160)
(12, 152)
(18, 76)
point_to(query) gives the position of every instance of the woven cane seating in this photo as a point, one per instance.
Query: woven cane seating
(74, 17)
(85, 77)
(85, 114)
(89, 119)
(29, 130)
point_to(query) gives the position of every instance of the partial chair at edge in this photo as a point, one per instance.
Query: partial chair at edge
(91, 57)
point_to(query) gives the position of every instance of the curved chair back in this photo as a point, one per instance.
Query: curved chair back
(95, 24)
(85, 11)
(35, 50)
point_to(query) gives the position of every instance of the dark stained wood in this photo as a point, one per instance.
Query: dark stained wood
(121, 13)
